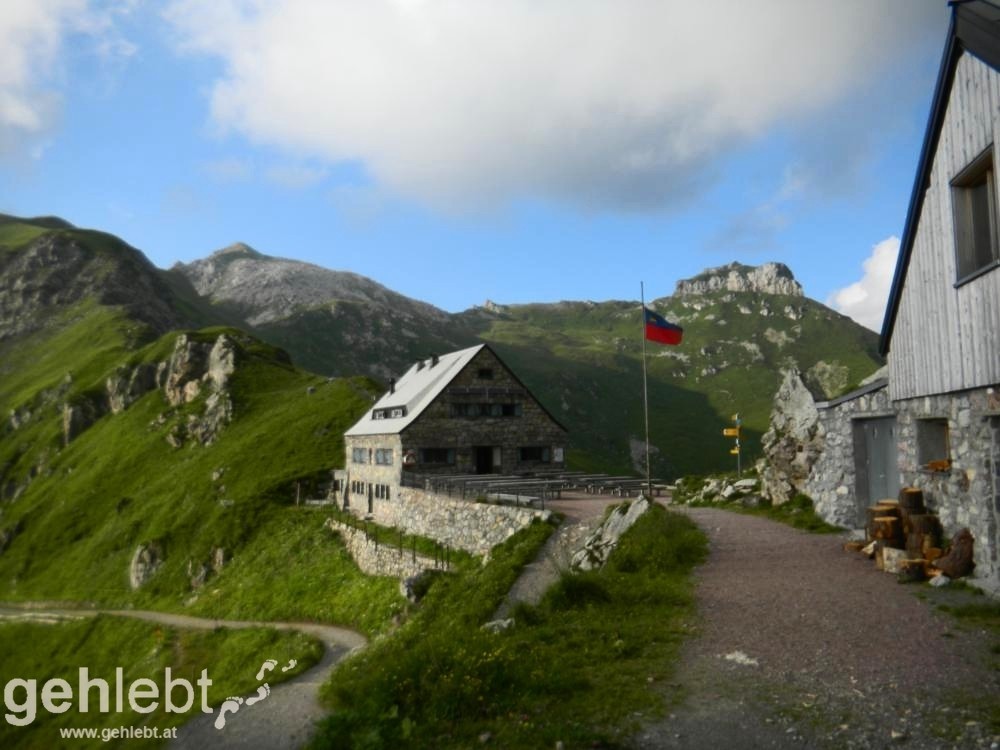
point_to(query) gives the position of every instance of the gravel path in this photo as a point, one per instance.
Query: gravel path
(801, 644)
(282, 721)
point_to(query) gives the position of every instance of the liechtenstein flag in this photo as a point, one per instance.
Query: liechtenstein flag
(659, 330)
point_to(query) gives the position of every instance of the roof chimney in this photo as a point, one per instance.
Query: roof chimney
(434, 359)
(392, 385)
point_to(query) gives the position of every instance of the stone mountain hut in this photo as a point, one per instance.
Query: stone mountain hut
(460, 413)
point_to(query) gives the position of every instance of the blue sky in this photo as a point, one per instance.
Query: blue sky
(464, 150)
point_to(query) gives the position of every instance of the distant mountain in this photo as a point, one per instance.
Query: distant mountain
(742, 324)
(47, 266)
(335, 322)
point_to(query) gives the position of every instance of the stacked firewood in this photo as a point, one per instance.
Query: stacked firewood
(906, 540)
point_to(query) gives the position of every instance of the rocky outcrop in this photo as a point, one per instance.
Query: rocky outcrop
(199, 572)
(194, 369)
(146, 560)
(126, 385)
(603, 541)
(827, 379)
(793, 442)
(770, 278)
(79, 415)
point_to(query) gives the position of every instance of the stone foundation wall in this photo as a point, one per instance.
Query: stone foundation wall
(816, 449)
(460, 524)
(380, 559)
(968, 493)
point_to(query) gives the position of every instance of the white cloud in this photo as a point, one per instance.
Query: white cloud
(865, 300)
(460, 103)
(32, 34)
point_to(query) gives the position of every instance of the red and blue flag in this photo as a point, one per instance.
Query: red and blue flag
(661, 331)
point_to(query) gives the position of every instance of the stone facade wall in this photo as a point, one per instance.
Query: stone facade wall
(459, 524)
(832, 480)
(369, 473)
(437, 428)
(380, 559)
(968, 493)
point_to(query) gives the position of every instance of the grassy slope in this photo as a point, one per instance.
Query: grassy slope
(120, 485)
(594, 643)
(143, 650)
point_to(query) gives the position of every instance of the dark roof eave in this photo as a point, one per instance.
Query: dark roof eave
(876, 385)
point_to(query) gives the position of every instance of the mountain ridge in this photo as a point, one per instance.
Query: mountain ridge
(743, 324)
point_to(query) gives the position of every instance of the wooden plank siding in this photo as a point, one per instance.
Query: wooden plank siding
(945, 338)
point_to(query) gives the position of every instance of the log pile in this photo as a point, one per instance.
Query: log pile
(906, 540)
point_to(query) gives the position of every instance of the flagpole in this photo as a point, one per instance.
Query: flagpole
(645, 390)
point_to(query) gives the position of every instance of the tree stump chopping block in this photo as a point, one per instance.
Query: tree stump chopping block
(889, 530)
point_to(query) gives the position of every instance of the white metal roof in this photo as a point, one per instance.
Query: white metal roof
(415, 390)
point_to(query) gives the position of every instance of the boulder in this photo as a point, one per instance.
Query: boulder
(145, 562)
(604, 539)
(125, 386)
(792, 443)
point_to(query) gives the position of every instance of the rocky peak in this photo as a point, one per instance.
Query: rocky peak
(265, 289)
(59, 268)
(769, 278)
(238, 250)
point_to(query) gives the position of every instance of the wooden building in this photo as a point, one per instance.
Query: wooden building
(942, 325)
(936, 424)
(461, 413)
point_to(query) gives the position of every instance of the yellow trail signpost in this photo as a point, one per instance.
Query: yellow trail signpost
(734, 432)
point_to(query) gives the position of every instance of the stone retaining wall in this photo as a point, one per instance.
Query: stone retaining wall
(460, 524)
(380, 559)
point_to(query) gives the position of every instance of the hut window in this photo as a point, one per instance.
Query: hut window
(383, 456)
(359, 455)
(437, 455)
(535, 453)
(932, 444)
(974, 201)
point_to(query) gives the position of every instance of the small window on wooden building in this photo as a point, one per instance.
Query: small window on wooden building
(974, 200)
(485, 373)
(932, 444)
